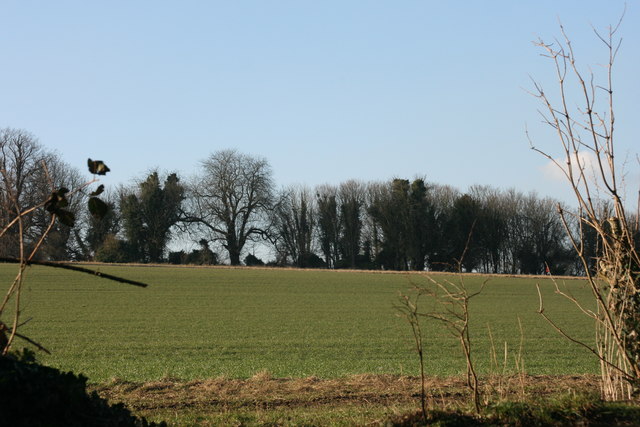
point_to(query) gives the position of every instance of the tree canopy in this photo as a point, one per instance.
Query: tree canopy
(230, 199)
(231, 205)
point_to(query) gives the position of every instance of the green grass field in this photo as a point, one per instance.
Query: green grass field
(210, 322)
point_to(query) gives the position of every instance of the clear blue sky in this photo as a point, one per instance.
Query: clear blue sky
(325, 90)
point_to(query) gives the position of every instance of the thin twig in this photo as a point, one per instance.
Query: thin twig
(576, 341)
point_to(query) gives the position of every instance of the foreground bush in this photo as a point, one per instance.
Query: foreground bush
(36, 395)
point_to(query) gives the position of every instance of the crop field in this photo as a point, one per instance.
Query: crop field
(244, 346)
(196, 323)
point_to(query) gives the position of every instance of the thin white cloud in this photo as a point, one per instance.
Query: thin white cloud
(628, 177)
(556, 171)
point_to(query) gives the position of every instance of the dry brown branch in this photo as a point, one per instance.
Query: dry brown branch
(615, 283)
(40, 347)
(562, 332)
(453, 300)
(408, 309)
(79, 270)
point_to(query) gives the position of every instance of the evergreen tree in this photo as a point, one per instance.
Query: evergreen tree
(149, 214)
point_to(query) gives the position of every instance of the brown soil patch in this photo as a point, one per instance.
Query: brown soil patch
(263, 391)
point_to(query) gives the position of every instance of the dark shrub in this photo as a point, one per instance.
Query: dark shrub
(114, 250)
(36, 395)
(252, 260)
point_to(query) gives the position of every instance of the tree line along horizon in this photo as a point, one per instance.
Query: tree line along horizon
(232, 203)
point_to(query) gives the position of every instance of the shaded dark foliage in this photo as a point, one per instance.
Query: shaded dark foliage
(252, 260)
(36, 395)
(567, 410)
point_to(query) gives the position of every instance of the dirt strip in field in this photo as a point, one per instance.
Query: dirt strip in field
(263, 391)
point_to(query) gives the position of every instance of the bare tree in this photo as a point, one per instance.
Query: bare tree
(442, 199)
(294, 222)
(27, 174)
(20, 155)
(491, 228)
(351, 197)
(329, 225)
(230, 199)
(586, 136)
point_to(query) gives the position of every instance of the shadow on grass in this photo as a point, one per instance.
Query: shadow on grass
(558, 410)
